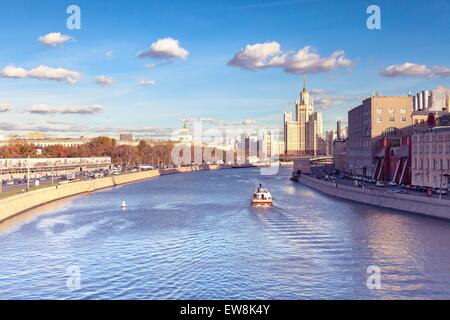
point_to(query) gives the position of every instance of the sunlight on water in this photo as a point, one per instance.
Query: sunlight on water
(195, 236)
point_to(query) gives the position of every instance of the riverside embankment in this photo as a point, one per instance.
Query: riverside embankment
(14, 205)
(11, 206)
(405, 202)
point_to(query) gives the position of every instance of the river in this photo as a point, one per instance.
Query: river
(194, 236)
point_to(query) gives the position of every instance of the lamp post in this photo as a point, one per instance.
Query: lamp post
(28, 174)
(445, 175)
(364, 172)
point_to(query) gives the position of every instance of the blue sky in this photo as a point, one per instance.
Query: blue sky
(203, 85)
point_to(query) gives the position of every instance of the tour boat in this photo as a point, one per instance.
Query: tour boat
(123, 205)
(262, 197)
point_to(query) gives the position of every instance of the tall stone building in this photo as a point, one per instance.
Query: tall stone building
(302, 134)
(377, 117)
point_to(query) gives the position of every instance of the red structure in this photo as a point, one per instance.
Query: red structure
(393, 160)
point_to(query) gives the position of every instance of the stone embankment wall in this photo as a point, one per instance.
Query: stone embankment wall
(404, 202)
(11, 206)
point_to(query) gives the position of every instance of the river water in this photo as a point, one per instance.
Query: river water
(194, 236)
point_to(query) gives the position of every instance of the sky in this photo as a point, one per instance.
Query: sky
(145, 66)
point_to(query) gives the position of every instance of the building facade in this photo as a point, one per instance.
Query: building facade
(340, 155)
(126, 137)
(291, 135)
(330, 137)
(375, 118)
(431, 158)
(341, 130)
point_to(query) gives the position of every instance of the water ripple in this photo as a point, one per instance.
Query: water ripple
(195, 236)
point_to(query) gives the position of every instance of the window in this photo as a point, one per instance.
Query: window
(380, 110)
(391, 110)
(403, 110)
(379, 119)
(403, 119)
(392, 119)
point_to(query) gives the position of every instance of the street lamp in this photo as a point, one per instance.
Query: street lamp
(28, 174)
(445, 175)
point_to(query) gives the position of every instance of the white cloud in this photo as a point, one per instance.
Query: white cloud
(104, 80)
(42, 73)
(317, 91)
(409, 69)
(150, 66)
(13, 72)
(45, 109)
(270, 55)
(323, 102)
(147, 82)
(109, 54)
(326, 102)
(406, 69)
(54, 39)
(5, 107)
(220, 123)
(41, 109)
(165, 49)
(76, 129)
(249, 122)
(441, 71)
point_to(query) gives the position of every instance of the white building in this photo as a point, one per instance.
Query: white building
(184, 135)
(302, 134)
(434, 100)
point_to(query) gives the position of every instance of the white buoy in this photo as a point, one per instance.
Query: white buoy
(124, 205)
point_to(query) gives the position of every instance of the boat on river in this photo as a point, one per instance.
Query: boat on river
(262, 197)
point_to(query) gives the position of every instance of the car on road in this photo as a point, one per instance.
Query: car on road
(392, 184)
(379, 184)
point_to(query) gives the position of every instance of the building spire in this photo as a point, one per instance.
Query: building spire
(305, 81)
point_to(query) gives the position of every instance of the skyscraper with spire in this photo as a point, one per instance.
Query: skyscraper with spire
(302, 134)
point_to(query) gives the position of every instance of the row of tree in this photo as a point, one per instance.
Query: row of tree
(125, 155)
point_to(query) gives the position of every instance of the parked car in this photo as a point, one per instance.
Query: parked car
(379, 184)
(442, 191)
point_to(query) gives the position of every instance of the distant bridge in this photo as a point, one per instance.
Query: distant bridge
(304, 164)
(314, 160)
